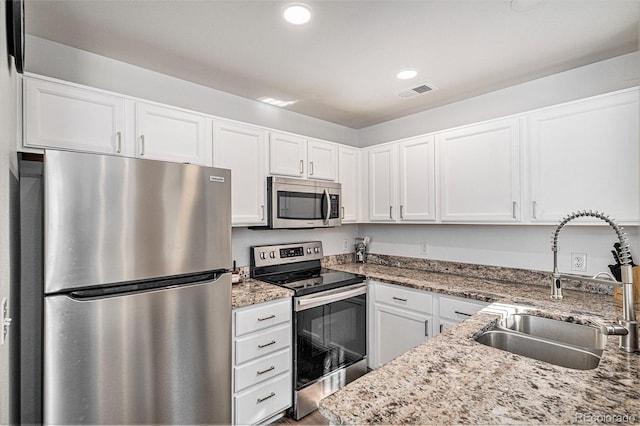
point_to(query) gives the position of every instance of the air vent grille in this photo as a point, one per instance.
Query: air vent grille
(415, 91)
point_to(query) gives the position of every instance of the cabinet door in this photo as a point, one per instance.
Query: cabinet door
(417, 179)
(243, 150)
(382, 181)
(68, 117)
(348, 176)
(287, 155)
(397, 331)
(170, 134)
(585, 155)
(480, 173)
(322, 160)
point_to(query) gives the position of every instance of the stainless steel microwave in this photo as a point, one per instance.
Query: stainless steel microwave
(297, 203)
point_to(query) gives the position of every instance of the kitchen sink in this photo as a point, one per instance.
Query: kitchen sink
(556, 342)
(559, 331)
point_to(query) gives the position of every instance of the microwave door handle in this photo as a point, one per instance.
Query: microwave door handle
(327, 204)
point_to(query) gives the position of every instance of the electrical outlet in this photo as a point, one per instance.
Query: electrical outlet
(579, 262)
(345, 245)
(424, 248)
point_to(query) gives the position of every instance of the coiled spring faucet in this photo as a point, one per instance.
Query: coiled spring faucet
(628, 341)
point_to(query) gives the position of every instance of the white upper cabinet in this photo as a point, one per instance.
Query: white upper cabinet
(585, 155)
(402, 181)
(287, 155)
(480, 173)
(243, 150)
(417, 179)
(292, 155)
(322, 159)
(68, 117)
(348, 176)
(171, 134)
(382, 183)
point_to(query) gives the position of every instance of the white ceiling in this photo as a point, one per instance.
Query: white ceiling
(341, 66)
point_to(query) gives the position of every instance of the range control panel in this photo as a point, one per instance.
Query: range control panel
(285, 253)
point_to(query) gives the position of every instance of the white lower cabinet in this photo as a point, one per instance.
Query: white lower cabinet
(262, 340)
(402, 320)
(452, 310)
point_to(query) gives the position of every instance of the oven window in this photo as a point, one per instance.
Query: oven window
(329, 337)
(300, 205)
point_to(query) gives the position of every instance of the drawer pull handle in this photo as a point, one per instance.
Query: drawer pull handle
(267, 318)
(426, 328)
(441, 327)
(271, 395)
(273, 342)
(463, 313)
(399, 299)
(266, 371)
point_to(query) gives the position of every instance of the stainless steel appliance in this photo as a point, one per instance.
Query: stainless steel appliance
(297, 203)
(137, 306)
(330, 319)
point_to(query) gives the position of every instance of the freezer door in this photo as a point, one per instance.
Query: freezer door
(161, 357)
(113, 219)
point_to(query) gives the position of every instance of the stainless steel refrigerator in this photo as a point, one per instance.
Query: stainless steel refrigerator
(137, 306)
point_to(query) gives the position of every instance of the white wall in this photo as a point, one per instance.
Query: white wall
(590, 80)
(8, 209)
(56, 60)
(332, 239)
(517, 246)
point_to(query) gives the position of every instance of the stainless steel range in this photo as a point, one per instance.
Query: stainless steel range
(330, 319)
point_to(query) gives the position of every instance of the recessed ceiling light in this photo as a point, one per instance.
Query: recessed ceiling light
(407, 74)
(296, 13)
(277, 102)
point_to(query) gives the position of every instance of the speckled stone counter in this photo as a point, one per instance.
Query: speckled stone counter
(452, 379)
(251, 292)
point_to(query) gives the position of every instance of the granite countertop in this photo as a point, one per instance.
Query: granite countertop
(251, 292)
(451, 379)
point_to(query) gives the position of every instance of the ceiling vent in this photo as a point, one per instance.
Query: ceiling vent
(415, 91)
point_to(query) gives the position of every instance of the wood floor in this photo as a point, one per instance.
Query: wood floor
(314, 418)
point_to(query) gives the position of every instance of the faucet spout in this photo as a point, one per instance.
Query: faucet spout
(628, 340)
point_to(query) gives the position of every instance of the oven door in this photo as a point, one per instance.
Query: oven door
(295, 203)
(331, 332)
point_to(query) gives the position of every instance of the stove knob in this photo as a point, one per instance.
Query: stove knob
(316, 250)
(263, 255)
(308, 250)
(272, 255)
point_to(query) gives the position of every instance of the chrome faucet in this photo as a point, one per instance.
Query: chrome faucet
(628, 340)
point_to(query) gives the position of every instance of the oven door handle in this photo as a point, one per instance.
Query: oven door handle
(308, 302)
(327, 204)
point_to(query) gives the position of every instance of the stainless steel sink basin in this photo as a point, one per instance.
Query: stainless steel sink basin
(556, 342)
(559, 331)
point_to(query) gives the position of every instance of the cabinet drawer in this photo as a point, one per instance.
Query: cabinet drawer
(459, 309)
(262, 316)
(260, 344)
(262, 369)
(398, 296)
(262, 401)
